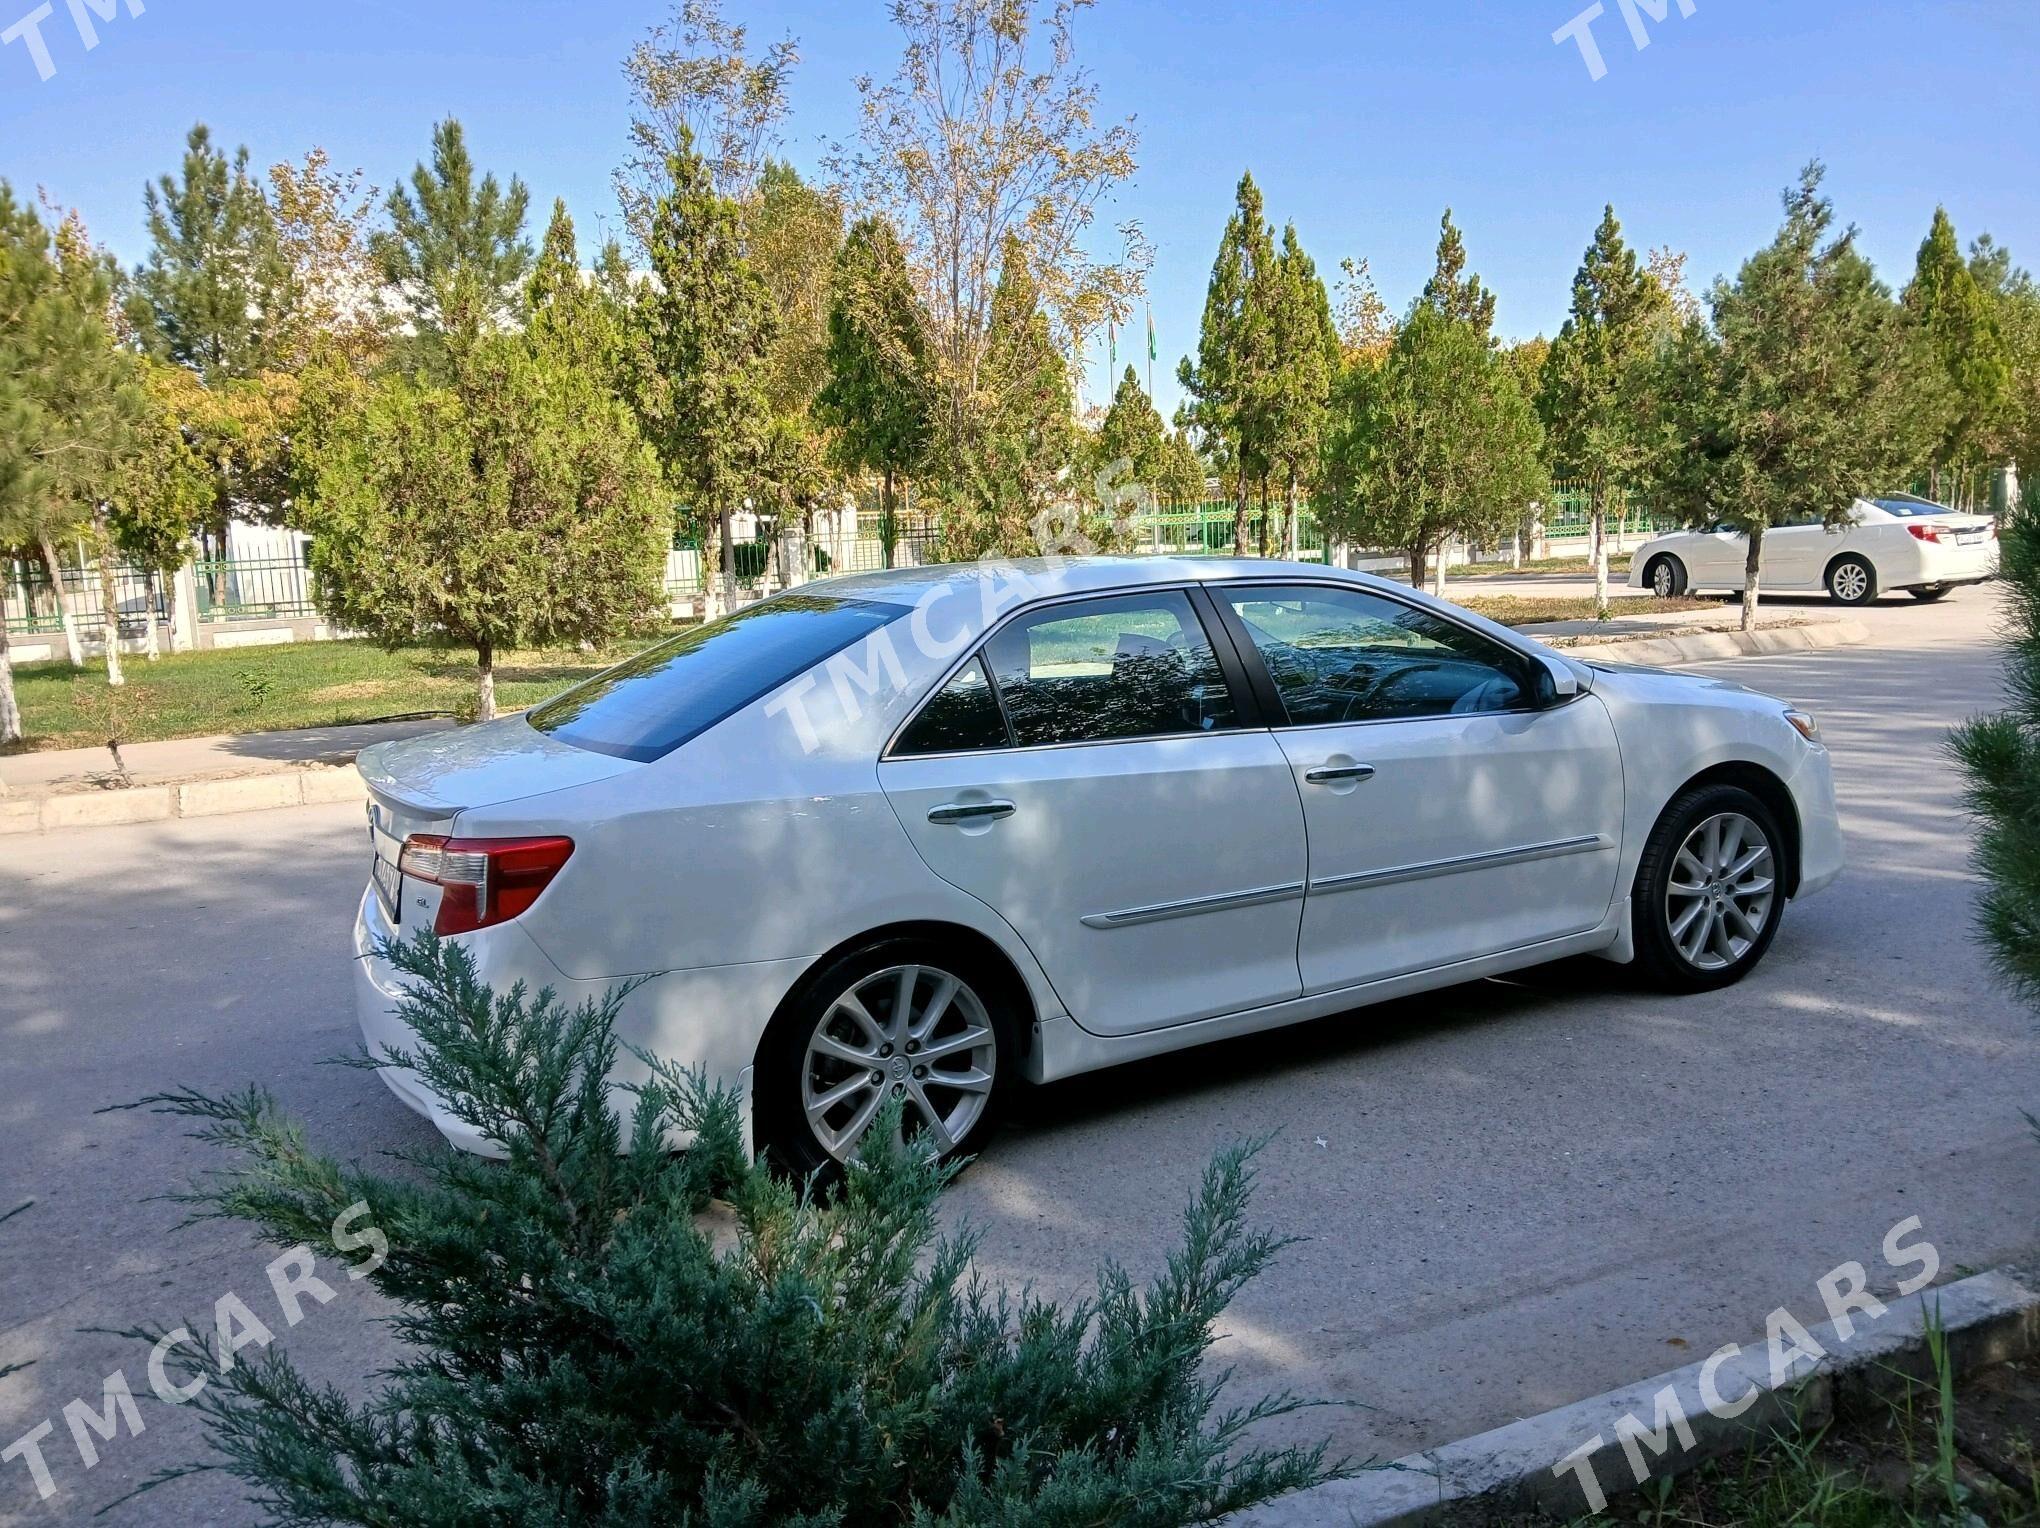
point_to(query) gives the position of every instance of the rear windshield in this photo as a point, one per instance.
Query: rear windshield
(1909, 507)
(646, 707)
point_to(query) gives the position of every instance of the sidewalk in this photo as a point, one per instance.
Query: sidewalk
(190, 777)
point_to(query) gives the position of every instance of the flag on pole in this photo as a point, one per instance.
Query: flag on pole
(1112, 346)
(1151, 336)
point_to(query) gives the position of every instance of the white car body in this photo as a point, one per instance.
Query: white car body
(1909, 544)
(1146, 894)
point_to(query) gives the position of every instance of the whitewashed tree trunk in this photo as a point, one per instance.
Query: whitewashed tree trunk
(73, 648)
(109, 598)
(1600, 533)
(10, 710)
(485, 682)
(1438, 567)
(152, 646)
(1751, 565)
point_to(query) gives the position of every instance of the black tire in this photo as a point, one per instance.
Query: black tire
(785, 1135)
(1928, 593)
(1844, 588)
(1659, 957)
(1666, 576)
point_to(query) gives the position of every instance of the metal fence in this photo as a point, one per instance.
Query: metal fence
(1569, 512)
(254, 589)
(32, 608)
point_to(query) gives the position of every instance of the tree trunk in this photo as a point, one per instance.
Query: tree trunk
(729, 561)
(1600, 558)
(485, 681)
(1438, 567)
(1262, 538)
(1289, 520)
(1749, 588)
(72, 648)
(152, 646)
(1419, 566)
(109, 598)
(1239, 515)
(10, 711)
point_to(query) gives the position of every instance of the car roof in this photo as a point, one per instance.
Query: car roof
(1018, 580)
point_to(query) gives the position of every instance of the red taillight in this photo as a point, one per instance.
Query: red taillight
(483, 881)
(1925, 532)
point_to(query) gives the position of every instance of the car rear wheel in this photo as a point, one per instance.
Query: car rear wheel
(1928, 593)
(1709, 891)
(1666, 576)
(898, 1020)
(1851, 581)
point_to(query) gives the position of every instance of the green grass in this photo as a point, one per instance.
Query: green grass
(260, 689)
(1517, 610)
(1618, 566)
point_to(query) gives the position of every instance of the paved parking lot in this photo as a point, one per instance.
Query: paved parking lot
(1515, 1194)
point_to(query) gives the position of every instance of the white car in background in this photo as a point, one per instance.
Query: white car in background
(1887, 544)
(931, 833)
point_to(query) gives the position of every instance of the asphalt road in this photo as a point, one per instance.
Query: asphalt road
(1514, 1194)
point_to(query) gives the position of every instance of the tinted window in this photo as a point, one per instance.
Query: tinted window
(963, 716)
(648, 706)
(1911, 508)
(1341, 655)
(1134, 665)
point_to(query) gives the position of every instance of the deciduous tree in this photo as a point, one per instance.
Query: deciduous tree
(986, 136)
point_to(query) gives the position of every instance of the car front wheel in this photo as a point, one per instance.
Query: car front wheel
(1667, 576)
(897, 1021)
(1709, 890)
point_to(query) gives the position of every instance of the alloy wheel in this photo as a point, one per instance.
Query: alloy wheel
(1851, 582)
(916, 1033)
(1661, 580)
(1723, 881)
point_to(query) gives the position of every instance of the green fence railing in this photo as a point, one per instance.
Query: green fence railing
(254, 589)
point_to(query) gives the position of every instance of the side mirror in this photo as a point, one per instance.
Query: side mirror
(1554, 683)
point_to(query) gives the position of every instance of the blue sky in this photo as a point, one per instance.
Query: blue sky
(1361, 121)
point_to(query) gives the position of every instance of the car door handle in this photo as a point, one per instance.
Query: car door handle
(972, 811)
(1331, 774)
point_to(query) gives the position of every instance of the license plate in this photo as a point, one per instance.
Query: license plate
(389, 882)
(1968, 538)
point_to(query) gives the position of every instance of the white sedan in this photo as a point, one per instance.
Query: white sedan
(934, 833)
(1885, 545)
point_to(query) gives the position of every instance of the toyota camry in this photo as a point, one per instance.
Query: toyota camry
(940, 833)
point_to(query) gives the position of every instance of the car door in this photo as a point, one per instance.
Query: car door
(1796, 553)
(1715, 558)
(1450, 814)
(1097, 775)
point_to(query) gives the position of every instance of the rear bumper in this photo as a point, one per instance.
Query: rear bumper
(710, 1019)
(1924, 564)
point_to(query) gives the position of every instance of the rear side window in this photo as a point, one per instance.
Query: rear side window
(1129, 666)
(964, 715)
(646, 707)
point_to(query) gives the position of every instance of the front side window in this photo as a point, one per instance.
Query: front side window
(1126, 666)
(1343, 655)
(649, 705)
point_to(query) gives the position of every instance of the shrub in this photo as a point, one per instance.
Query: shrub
(581, 1348)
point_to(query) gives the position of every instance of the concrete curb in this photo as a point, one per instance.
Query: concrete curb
(1542, 1462)
(1701, 646)
(305, 785)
